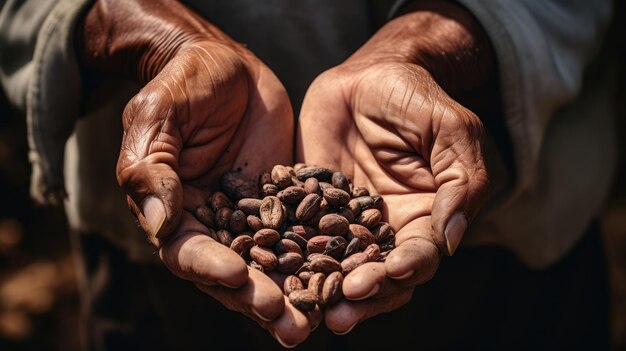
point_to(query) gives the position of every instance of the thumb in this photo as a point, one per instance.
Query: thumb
(461, 178)
(146, 167)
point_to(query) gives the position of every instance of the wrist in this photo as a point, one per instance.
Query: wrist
(139, 37)
(440, 36)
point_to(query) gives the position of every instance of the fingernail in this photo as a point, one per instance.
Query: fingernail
(347, 331)
(405, 275)
(372, 292)
(154, 213)
(454, 231)
(256, 313)
(284, 344)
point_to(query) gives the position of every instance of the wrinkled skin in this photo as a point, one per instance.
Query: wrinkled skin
(208, 106)
(390, 127)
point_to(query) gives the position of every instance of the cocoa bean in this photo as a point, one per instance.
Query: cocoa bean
(312, 186)
(271, 212)
(270, 190)
(242, 245)
(254, 223)
(224, 237)
(334, 225)
(353, 247)
(219, 200)
(305, 276)
(319, 173)
(340, 181)
(317, 244)
(304, 231)
(265, 178)
(222, 217)
(249, 206)
(264, 256)
(266, 237)
(336, 197)
(303, 300)
(336, 247)
(308, 207)
(238, 186)
(325, 185)
(351, 263)
(332, 290)
(346, 213)
(289, 262)
(381, 232)
(292, 283)
(324, 264)
(287, 245)
(354, 206)
(369, 218)
(281, 176)
(292, 194)
(296, 238)
(238, 221)
(316, 284)
(372, 251)
(364, 235)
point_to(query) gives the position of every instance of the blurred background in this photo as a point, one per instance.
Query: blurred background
(38, 294)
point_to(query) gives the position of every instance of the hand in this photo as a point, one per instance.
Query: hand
(384, 120)
(209, 105)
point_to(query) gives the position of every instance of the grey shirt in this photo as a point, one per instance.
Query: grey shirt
(558, 118)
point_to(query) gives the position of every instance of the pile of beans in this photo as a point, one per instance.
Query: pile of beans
(306, 222)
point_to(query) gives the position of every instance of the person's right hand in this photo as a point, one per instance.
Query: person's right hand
(209, 105)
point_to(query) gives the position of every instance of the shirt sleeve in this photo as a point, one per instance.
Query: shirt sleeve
(40, 76)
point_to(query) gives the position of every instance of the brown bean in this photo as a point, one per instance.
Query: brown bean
(316, 284)
(205, 215)
(317, 244)
(264, 256)
(332, 290)
(292, 283)
(359, 231)
(334, 224)
(238, 221)
(266, 237)
(271, 212)
(222, 217)
(336, 197)
(237, 186)
(353, 247)
(242, 245)
(305, 231)
(340, 181)
(296, 238)
(305, 276)
(320, 173)
(219, 200)
(325, 264)
(360, 191)
(287, 245)
(312, 186)
(346, 213)
(382, 231)
(308, 207)
(281, 176)
(351, 263)
(224, 237)
(254, 223)
(303, 300)
(269, 190)
(292, 194)
(289, 262)
(369, 218)
(249, 206)
(336, 247)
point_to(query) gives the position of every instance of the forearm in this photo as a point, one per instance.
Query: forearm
(442, 37)
(139, 37)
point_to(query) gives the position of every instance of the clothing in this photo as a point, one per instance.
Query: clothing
(561, 129)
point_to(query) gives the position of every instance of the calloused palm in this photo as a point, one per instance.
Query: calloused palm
(391, 128)
(214, 107)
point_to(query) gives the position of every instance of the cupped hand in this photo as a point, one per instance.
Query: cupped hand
(390, 127)
(208, 106)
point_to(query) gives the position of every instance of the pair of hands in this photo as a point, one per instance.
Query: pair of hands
(210, 105)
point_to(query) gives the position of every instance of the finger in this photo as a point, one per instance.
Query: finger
(460, 174)
(258, 297)
(146, 167)
(416, 257)
(365, 281)
(344, 316)
(192, 255)
(291, 328)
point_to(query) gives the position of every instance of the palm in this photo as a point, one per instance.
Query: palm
(392, 129)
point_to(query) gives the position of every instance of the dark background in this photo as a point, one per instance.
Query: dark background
(38, 294)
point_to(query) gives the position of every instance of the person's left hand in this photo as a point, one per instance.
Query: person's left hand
(388, 125)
